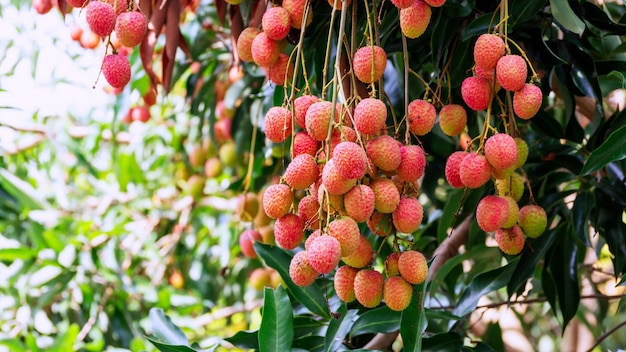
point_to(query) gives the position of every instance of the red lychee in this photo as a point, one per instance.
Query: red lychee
(334, 182)
(412, 163)
(344, 283)
(301, 172)
(362, 255)
(533, 220)
(281, 72)
(386, 195)
(244, 43)
(397, 293)
(402, 4)
(359, 202)
(318, 119)
(296, 12)
(116, 69)
(453, 169)
(527, 101)
(369, 63)
(511, 72)
(350, 160)
(421, 116)
(308, 210)
(489, 48)
(370, 115)
(346, 231)
(408, 215)
(501, 151)
(289, 231)
(452, 119)
(276, 23)
(415, 19)
(100, 17)
(391, 264)
(277, 124)
(324, 254)
(131, 28)
(510, 241)
(380, 223)
(300, 270)
(264, 50)
(277, 200)
(413, 267)
(246, 242)
(476, 93)
(368, 287)
(300, 106)
(492, 212)
(304, 144)
(474, 170)
(384, 151)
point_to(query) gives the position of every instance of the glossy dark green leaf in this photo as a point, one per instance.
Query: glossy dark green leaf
(479, 25)
(165, 347)
(164, 330)
(612, 123)
(305, 325)
(413, 322)
(524, 11)
(381, 319)
(481, 285)
(446, 221)
(612, 149)
(493, 337)
(311, 296)
(245, 339)
(276, 331)
(444, 342)
(597, 17)
(339, 328)
(581, 210)
(564, 268)
(458, 8)
(313, 343)
(440, 314)
(564, 14)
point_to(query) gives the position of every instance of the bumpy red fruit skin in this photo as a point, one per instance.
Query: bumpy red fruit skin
(277, 200)
(397, 293)
(344, 283)
(533, 220)
(276, 23)
(100, 18)
(311, 237)
(435, 3)
(501, 151)
(412, 163)
(324, 254)
(300, 106)
(370, 115)
(301, 172)
(244, 43)
(476, 92)
(362, 255)
(334, 182)
(453, 169)
(289, 231)
(359, 203)
(527, 101)
(421, 115)
(131, 28)
(301, 271)
(76, 3)
(264, 50)
(277, 124)
(391, 264)
(415, 19)
(304, 144)
(362, 65)
(120, 6)
(474, 170)
(413, 267)
(346, 231)
(246, 242)
(368, 287)
(384, 151)
(317, 119)
(510, 241)
(492, 212)
(350, 160)
(380, 224)
(402, 4)
(296, 12)
(511, 72)
(452, 119)
(386, 195)
(408, 215)
(281, 71)
(308, 210)
(489, 48)
(116, 70)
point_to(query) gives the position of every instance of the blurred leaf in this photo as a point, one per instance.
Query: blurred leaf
(444, 342)
(339, 328)
(310, 343)
(564, 269)
(524, 11)
(581, 210)
(612, 149)
(11, 254)
(564, 14)
(65, 342)
(449, 215)
(493, 337)
(594, 15)
(164, 347)
(276, 331)
(22, 191)
(13, 345)
(245, 339)
(413, 322)
(440, 314)
(164, 330)
(381, 319)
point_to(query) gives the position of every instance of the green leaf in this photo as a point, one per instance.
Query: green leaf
(493, 337)
(564, 268)
(379, 320)
(245, 339)
(164, 330)
(452, 205)
(440, 314)
(481, 285)
(164, 347)
(276, 331)
(13, 345)
(23, 191)
(583, 205)
(310, 343)
(564, 14)
(611, 150)
(304, 325)
(339, 328)
(311, 296)
(65, 342)
(413, 322)
(11, 254)
(444, 342)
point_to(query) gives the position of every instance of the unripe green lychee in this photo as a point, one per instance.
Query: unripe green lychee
(302, 172)
(300, 106)
(304, 144)
(334, 182)
(510, 241)
(276, 23)
(368, 287)
(369, 63)
(386, 195)
(489, 48)
(370, 115)
(384, 151)
(511, 72)
(259, 278)
(415, 19)
(289, 231)
(277, 200)
(413, 267)
(407, 217)
(267, 233)
(308, 210)
(492, 212)
(501, 151)
(131, 28)
(228, 153)
(318, 119)
(381, 224)
(344, 283)
(100, 17)
(324, 254)
(391, 265)
(474, 170)
(246, 242)
(213, 167)
(421, 116)
(512, 186)
(346, 231)
(522, 152)
(281, 72)
(362, 255)
(244, 43)
(264, 50)
(359, 203)
(476, 93)
(533, 220)
(277, 124)
(452, 119)
(116, 68)
(527, 101)
(513, 213)
(247, 206)
(412, 163)
(397, 293)
(350, 160)
(453, 169)
(300, 270)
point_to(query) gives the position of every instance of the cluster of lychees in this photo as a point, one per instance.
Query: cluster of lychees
(415, 15)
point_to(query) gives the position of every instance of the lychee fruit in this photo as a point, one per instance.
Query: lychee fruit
(370, 115)
(350, 160)
(513, 213)
(368, 287)
(120, 6)
(384, 151)
(380, 224)
(334, 182)
(116, 68)
(369, 63)
(296, 12)
(527, 101)
(100, 17)
(512, 186)
(501, 151)
(511, 72)
(453, 169)
(435, 3)
(308, 210)
(277, 124)
(522, 152)
(131, 28)
(346, 231)
(324, 254)
(311, 237)
(342, 134)
(301, 172)
(289, 231)
(277, 200)
(244, 43)
(391, 264)
(300, 270)
(386, 195)
(76, 3)
(281, 71)
(246, 242)
(492, 212)
(397, 293)
(259, 278)
(300, 106)
(533, 220)
(510, 241)
(264, 50)
(402, 4)
(421, 116)
(359, 202)
(412, 163)
(474, 170)
(344, 283)
(362, 255)
(413, 267)
(452, 119)
(330, 203)
(276, 23)
(488, 74)
(304, 144)
(318, 119)
(476, 93)
(267, 234)
(247, 206)
(408, 215)
(489, 48)
(415, 19)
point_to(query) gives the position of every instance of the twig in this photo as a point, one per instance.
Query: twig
(92, 319)
(605, 335)
(535, 300)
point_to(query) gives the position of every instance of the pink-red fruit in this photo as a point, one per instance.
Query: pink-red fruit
(324, 254)
(301, 172)
(527, 101)
(421, 115)
(452, 119)
(489, 48)
(408, 215)
(277, 200)
(415, 19)
(370, 115)
(246, 242)
(511, 72)
(116, 69)
(397, 293)
(501, 151)
(244, 43)
(344, 283)
(264, 50)
(276, 23)
(350, 160)
(476, 93)
(277, 124)
(368, 287)
(510, 241)
(131, 28)
(533, 220)
(413, 267)
(289, 231)
(300, 270)
(369, 63)
(492, 212)
(474, 170)
(100, 18)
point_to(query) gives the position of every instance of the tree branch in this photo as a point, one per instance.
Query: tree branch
(606, 334)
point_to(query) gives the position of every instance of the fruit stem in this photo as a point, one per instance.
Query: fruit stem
(405, 56)
(328, 44)
(370, 35)
(247, 182)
